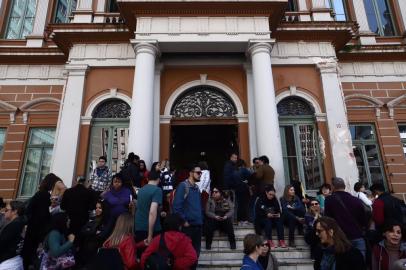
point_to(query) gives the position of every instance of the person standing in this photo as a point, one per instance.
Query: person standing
(349, 213)
(229, 171)
(2, 212)
(118, 198)
(100, 176)
(77, 202)
(385, 208)
(265, 174)
(147, 221)
(11, 237)
(130, 173)
(39, 218)
(187, 204)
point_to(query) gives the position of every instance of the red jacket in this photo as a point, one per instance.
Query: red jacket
(179, 245)
(128, 252)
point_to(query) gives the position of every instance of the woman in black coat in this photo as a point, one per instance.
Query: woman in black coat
(338, 253)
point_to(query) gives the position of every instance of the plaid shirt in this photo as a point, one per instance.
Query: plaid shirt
(100, 179)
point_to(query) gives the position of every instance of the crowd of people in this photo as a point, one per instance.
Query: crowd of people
(155, 219)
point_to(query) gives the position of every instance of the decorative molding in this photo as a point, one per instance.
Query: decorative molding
(372, 71)
(198, 28)
(186, 86)
(303, 49)
(32, 72)
(203, 78)
(165, 119)
(327, 66)
(150, 46)
(25, 117)
(27, 106)
(101, 52)
(242, 118)
(375, 103)
(101, 98)
(395, 103)
(9, 109)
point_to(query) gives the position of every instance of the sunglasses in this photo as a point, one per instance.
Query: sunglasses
(313, 204)
(264, 245)
(198, 172)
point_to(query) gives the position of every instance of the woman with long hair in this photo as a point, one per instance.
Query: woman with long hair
(57, 246)
(338, 253)
(142, 167)
(122, 239)
(293, 211)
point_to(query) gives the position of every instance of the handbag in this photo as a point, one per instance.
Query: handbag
(62, 262)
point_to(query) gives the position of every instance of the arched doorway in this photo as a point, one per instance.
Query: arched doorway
(300, 142)
(203, 128)
(109, 134)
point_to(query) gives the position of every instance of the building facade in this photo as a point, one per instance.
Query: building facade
(317, 86)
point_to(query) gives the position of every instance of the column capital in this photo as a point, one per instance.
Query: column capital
(150, 47)
(76, 70)
(256, 46)
(327, 67)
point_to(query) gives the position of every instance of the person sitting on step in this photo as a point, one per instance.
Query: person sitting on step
(219, 212)
(268, 213)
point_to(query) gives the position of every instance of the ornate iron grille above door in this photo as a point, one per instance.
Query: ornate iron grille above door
(294, 106)
(112, 108)
(203, 101)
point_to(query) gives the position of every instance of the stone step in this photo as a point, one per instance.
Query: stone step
(284, 264)
(279, 253)
(221, 242)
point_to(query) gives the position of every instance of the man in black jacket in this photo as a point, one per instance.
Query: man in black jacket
(11, 240)
(77, 202)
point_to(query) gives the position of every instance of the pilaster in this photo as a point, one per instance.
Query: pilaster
(83, 12)
(366, 36)
(320, 11)
(36, 38)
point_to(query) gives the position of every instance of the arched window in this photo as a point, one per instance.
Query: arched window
(203, 101)
(112, 108)
(300, 142)
(109, 134)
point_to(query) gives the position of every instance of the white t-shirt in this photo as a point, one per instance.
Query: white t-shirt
(204, 183)
(363, 198)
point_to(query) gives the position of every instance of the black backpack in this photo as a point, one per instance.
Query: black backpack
(161, 259)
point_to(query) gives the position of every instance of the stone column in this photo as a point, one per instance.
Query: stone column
(67, 133)
(83, 12)
(141, 137)
(157, 98)
(344, 164)
(36, 38)
(320, 11)
(266, 116)
(366, 36)
(251, 115)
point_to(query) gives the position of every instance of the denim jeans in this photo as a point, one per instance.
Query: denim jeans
(268, 228)
(359, 244)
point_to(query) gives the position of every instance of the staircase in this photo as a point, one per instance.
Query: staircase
(222, 257)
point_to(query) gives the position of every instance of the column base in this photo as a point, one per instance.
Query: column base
(322, 15)
(83, 16)
(367, 38)
(35, 41)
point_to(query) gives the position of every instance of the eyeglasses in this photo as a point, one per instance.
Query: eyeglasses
(198, 172)
(264, 245)
(313, 204)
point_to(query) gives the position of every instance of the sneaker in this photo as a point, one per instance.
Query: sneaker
(282, 244)
(271, 244)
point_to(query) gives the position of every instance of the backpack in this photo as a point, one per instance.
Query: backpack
(161, 259)
(173, 193)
